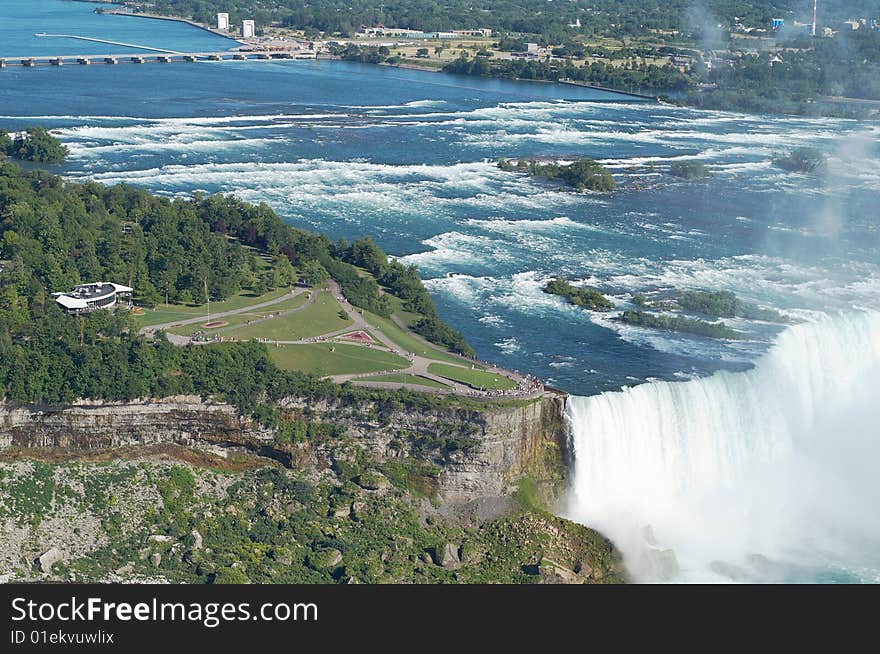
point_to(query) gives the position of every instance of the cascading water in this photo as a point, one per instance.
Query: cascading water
(769, 474)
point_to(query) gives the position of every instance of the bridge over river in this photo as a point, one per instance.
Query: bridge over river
(142, 54)
(161, 58)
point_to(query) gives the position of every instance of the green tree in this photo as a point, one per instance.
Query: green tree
(313, 273)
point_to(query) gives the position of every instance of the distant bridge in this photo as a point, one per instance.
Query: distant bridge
(135, 46)
(161, 57)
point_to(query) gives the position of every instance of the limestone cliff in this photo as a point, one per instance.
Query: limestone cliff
(476, 452)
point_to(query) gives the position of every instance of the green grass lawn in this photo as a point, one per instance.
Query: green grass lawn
(335, 359)
(320, 317)
(405, 379)
(242, 318)
(475, 378)
(410, 343)
(168, 312)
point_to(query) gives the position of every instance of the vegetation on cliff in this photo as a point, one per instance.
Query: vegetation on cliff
(583, 174)
(579, 296)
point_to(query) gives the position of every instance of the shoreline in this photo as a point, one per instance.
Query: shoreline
(404, 66)
(173, 19)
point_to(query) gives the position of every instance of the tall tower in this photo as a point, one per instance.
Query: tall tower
(247, 29)
(814, 17)
(223, 22)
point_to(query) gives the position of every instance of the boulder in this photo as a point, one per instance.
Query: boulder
(197, 539)
(471, 554)
(155, 559)
(401, 543)
(358, 509)
(373, 480)
(324, 559)
(554, 573)
(127, 569)
(342, 511)
(583, 568)
(446, 556)
(50, 558)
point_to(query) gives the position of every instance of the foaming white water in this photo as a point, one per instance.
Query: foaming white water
(765, 474)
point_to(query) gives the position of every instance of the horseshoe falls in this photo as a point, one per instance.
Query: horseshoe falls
(764, 475)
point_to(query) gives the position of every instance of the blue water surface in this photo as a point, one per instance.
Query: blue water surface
(20, 22)
(409, 157)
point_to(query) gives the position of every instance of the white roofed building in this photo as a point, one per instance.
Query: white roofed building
(85, 298)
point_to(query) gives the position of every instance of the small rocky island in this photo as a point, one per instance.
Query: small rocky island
(703, 304)
(690, 169)
(579, 296)
(582, 174)
(678, 323)
(801, 160)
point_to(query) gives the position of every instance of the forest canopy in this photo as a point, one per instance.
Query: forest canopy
(55, 234)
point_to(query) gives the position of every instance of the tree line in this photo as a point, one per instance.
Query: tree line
(553, 21)
(55, 234)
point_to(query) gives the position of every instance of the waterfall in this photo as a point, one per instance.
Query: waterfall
(768, 474)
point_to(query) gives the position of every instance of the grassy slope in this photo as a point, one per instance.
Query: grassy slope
(475, 378)
(168, 312)
(242, 318)
(321, 317)
(408, 342)
(335, 359)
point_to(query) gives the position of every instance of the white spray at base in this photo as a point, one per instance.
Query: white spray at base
(770, 474)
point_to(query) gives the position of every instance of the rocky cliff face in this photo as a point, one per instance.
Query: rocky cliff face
(477, 453)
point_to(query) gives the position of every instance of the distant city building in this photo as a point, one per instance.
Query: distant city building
(852, 24)
(89, 297)
(223, 22)
(248, 29)
(475, 32)
(382, 31)
(532, 47)
(777, 23)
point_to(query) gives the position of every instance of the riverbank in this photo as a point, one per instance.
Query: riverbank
(175, 19)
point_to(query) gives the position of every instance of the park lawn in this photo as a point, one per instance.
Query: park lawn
(473, 378)
(242, 318)
(320, 317)
(168, 312)
(335, 359)
(405, 379)
(408, 342)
